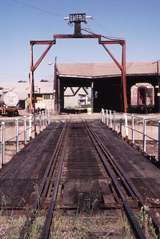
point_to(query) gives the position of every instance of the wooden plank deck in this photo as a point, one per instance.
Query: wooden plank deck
(144, 175)
(19, 178)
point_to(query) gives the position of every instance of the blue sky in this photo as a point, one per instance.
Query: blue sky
(23, 20)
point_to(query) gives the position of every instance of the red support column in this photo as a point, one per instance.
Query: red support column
(33, 67)
(31, 80)
(124, 78)
(121, 66)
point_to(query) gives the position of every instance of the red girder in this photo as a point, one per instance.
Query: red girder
(112, 42)
(71, 36)
(124, 78)
(44, 42)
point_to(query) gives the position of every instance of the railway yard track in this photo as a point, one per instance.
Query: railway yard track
(83, 181)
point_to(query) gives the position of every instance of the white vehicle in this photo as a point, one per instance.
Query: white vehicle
(9, 104)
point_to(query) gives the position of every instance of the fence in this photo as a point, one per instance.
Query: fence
(16, 133)
(140, 130)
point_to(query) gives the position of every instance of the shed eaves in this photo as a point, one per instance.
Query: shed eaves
(105, 69)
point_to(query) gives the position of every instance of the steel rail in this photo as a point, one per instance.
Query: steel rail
(138, 232)
(119, 171)
(117, 168)
(151, 213)
(50, 213)
(43, 186)
(49, 217)
(51, 167)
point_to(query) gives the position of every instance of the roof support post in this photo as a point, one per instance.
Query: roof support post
(58, 95)
(92, 96)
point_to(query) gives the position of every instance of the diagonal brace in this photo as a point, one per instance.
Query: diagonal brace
(113, 58)
(37, 63)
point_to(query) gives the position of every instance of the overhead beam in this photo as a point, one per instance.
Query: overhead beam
(111, 42)
(70, 36)
(85, 90)
(43, 42)
(73, 92)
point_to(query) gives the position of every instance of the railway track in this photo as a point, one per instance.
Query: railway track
(118, 179)
(109, 161)
(47, 184)
(128, 198)
(125, 193)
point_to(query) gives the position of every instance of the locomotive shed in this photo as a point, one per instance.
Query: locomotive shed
(104, 80)
(73, 159)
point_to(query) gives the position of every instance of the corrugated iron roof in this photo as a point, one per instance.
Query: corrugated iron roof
(90, 70)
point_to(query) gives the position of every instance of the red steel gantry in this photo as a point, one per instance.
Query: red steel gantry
(77, 19)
